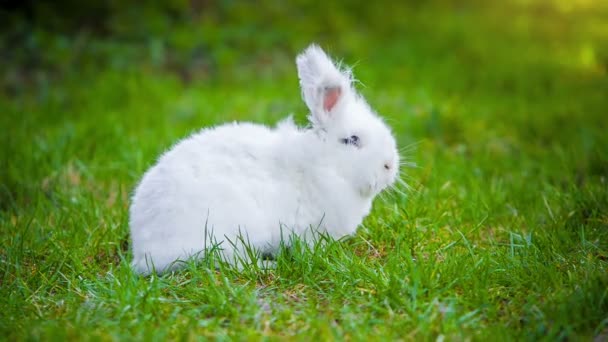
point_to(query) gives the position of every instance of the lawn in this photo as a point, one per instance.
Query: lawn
(501, 108)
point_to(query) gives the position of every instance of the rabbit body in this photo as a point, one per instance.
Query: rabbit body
(263, 183)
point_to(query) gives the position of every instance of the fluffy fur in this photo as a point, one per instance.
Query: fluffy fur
(262, 182)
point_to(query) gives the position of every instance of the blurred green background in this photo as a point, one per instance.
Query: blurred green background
(503, 105)
(496, 77)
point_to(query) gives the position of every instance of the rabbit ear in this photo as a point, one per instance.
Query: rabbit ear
(323, 84)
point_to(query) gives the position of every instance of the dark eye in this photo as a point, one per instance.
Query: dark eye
(352, 140)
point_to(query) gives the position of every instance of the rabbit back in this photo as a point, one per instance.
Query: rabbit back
(210, 188)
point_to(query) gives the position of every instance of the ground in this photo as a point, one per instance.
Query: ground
(501, 110)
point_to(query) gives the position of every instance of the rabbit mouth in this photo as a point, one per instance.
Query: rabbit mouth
(371, 189)
(366, 191)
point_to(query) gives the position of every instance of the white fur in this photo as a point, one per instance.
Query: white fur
(265, 182)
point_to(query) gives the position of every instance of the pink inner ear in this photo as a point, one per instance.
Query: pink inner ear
(331, 98)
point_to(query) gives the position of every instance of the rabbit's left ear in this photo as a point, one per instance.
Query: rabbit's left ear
(323, 85)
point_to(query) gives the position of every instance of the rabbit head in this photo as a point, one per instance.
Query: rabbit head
(359, 143)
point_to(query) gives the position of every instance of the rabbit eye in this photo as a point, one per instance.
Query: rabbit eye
(352, 140)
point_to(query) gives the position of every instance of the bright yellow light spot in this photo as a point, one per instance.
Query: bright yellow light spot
(587, 55)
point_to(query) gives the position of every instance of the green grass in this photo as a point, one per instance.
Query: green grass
(504, 235)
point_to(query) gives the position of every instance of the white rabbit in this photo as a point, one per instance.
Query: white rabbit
(263, 182)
